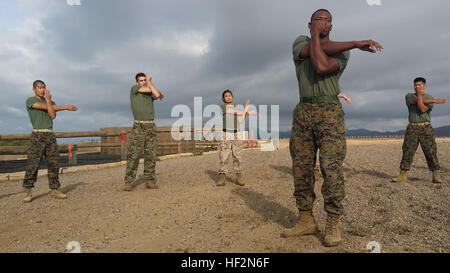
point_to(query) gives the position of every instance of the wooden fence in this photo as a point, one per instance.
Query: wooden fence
(112, 144)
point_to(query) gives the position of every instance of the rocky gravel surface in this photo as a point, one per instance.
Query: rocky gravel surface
(188, 213)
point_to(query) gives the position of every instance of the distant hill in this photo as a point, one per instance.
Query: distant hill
(443, 131)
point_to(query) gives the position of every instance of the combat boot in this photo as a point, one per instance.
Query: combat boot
(127, 187)
(305, 226)
(57, 194)
(222, 179)
(436, 177)
(28, 195)
(239, 180)
(401, 177)
(151, 185)
(332, 232)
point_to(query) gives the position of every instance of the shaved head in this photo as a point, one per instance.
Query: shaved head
(312, 16)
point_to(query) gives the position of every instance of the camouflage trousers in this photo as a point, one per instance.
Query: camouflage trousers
(142, 139)
(318, 126)
(42, 144)
(423, 134)
(230, 146)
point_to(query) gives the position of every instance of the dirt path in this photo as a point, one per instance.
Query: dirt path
(189, 213)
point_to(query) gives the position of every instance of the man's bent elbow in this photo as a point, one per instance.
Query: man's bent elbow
(323, 72)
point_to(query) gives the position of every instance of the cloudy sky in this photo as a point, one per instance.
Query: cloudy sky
(88, 56)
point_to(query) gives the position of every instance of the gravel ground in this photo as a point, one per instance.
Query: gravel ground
(188, 213)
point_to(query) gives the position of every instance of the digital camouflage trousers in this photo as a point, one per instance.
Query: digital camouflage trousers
(423, 134)
(318, 126)
(142, 140)
(42, 145)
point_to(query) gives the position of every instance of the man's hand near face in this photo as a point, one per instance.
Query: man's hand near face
(317, 27)
(47, 95)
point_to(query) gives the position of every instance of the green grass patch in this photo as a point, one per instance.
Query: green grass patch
(353, 172)
(357, 230)
(402, 229)
(197, 152)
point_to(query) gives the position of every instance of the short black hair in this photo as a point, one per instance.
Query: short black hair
(312, 16)
(35, 83)
(420, 79)
(138, 75)
(224, 92)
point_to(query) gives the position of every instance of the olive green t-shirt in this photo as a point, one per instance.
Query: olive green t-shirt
(40, 119)
(141, 104)
(310, 83)
(415, 115)
(229, 125)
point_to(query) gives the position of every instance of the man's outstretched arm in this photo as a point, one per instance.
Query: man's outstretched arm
(438, 101)
(56, 108)
(331, 47)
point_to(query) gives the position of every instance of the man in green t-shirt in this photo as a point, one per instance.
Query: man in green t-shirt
(419, 130)
(143, 134)
(318, 123)
(42, 110)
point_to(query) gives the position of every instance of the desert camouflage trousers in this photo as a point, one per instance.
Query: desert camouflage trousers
(231, 145)
(318, 126)
(423, 134)
(142, 139)
(42, 144)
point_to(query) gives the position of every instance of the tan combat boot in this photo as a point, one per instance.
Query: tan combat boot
(436, 177)
(401, 177)
(239, 180)
(305, 226)
(28, 195)
(127, 187)
(151, 185)
(332, 232)
(57, 194)
(222, 179)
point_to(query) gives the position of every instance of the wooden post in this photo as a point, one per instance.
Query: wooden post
(72, 149)
(252, 138)
(123, 152)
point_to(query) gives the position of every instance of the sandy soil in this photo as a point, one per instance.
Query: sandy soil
(190, 214)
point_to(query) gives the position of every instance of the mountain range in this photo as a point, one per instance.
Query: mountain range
(443, 131)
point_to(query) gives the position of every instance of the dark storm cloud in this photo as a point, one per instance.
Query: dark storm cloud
(89, 55)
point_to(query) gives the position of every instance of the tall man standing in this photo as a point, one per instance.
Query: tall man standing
(143, 134)
(318, 123)
(419, 130)
(42, 110)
